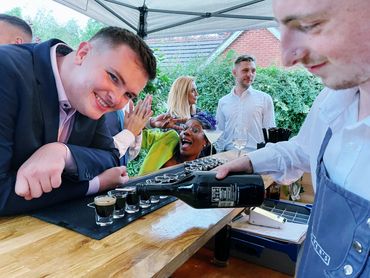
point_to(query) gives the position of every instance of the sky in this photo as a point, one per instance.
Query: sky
(30, 7)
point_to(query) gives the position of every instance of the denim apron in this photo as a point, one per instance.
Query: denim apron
(338, 237)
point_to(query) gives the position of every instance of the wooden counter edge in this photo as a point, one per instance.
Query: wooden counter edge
(195, 246)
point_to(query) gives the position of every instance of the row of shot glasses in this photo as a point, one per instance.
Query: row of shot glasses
(116, 203)
(124, 200)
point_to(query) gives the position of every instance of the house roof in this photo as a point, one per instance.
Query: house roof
(181, 50)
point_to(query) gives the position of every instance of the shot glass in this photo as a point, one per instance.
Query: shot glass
(119, 209)
(153, 199)
(104, 207)
(187, 170)
(162, 179)
(189, 163)
(132, 199)
(168, 178)
(144, 201)
(171, 177)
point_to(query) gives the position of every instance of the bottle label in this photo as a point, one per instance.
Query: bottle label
(224, 196)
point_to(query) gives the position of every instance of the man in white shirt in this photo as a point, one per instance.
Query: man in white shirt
(331, 39)
(244, 111)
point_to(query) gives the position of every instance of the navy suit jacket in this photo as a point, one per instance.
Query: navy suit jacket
(29, 119)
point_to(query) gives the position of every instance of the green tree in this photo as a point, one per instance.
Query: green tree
(45, 27)
(17, 11)
(71, 33)
(91, 28)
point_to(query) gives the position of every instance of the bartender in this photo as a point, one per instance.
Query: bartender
(331, 39)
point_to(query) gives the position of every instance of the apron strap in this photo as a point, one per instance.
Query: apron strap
(324, 144)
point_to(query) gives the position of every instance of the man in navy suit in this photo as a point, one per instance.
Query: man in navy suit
(53, 138)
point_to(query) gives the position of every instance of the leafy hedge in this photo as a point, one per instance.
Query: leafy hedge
(292, 91)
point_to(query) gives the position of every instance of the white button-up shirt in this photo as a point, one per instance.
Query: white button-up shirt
(348, 152)
(251, 111)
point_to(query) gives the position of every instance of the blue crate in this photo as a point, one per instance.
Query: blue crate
(275, 254)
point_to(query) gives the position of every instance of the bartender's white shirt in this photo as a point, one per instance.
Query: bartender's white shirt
(347, 157)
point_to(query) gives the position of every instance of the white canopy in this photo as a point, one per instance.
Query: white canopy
(169, 18)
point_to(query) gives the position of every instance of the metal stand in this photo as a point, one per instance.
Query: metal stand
(222, 247)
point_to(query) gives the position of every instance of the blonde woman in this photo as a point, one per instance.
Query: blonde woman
(182, 98)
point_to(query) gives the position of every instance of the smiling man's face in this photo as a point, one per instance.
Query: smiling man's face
(330, 38)
(104, 78)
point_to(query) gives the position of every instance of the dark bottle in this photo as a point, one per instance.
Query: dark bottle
(203, 190)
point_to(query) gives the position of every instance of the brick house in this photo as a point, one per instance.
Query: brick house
(264, 44)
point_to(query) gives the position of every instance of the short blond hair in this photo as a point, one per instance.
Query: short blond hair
(177, 101)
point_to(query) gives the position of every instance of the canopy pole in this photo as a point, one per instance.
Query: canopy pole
(142, 28)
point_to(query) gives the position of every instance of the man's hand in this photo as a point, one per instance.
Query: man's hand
(137, 117)
(166, 121)
(242, 164)
(113, 177)
(42, 172)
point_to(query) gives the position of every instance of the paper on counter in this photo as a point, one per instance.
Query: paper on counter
(290, 232)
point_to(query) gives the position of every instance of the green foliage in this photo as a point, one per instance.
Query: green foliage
(17, 11)
(159, 88)
(45, 27)
(292, 92)
(134, 165)
(92, 27)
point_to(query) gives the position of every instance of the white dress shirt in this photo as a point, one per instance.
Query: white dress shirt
(346, 157)
(252, 110)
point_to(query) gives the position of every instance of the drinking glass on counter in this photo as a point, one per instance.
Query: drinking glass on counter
(212, 136)
(240, 139)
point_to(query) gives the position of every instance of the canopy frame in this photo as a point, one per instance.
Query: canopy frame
(142, 29)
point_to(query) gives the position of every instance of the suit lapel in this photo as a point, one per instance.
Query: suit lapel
(82, 131)
(47, 90)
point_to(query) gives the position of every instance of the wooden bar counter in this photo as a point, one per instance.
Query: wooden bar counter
(152, 246)
(155, 245)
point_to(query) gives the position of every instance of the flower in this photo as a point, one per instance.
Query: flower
(207, 120)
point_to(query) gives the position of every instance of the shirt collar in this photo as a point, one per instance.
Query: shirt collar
(336, 102)
(63, 100)
(247, 91)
